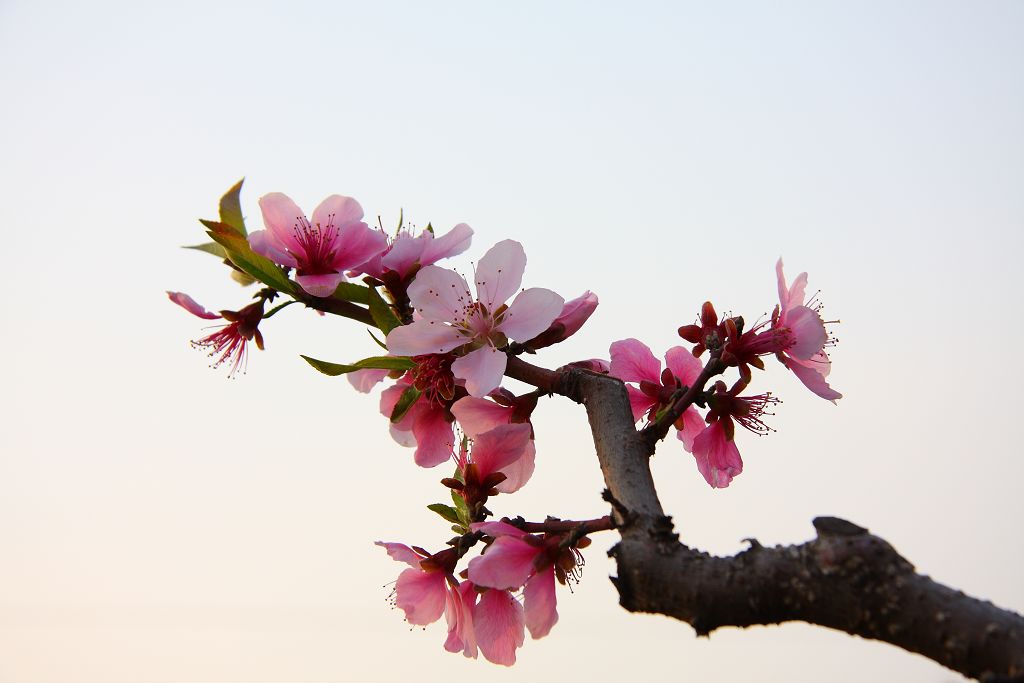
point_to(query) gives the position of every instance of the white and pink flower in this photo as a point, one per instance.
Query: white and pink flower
(450, 317)
(319, 250)
(405, 252)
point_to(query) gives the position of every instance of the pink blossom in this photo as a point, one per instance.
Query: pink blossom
(633, 362)
(493, 453)
(717, 457)
(498, 626)
(229, 343)
(321, 250)
(420, 591)
(479, 415)
(570, 320)
(460, 609)
(451, 318)
(406, 252)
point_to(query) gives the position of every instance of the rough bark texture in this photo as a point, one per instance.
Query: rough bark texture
(846, 578)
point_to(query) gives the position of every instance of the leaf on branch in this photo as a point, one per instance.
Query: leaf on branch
(461, 509)
(231, 209)
(374, 362)
(210, 248)
(447, 512)
(239, 253)
(374, 338)
(349, 291)
(405, 402)
(382, 313)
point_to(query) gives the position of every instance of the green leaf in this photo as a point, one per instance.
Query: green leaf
(209, 248)
(406, 401)
(447, 512)
(378, 362)
(241, 255)
(382, 313)
(374, 338)
(231, 209)
(461, 509)
(349, 291)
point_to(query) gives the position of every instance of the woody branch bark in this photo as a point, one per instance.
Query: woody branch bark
(846, 578)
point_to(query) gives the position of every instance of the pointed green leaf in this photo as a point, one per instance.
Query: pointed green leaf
(349, 291)
(241, 255)
(405, 402)
(209, 248)
(382, 313)
(377, 362)
(447, 512)
(231, 208)
(374, 338)
(461, 509)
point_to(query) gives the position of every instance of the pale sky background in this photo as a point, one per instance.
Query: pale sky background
(160, 523)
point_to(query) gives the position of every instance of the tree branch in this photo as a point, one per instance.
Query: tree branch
(846, 578)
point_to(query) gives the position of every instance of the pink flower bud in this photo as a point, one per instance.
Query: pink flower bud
(574, 314)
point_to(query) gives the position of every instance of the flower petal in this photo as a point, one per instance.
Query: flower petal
(808, 332)
(190, 305)
(693, 424)
(500, 272)
(320, 285)
(434, 436)
(421, 595)
(459, 611)
(482, 369)
(683, 364)
(813, 380)
(357, 243)
(404, 253)
(337, 210)
(639, 402)
(265, 244)
(401, 553)
(632, 361)
(498, 623)
(539, 603)
(718, 459)
(283, 218)
(500, 447)
(452, 243)
(478, 415)
(520, 471)
(532, 311)
(365, 380)
(423, 337)
(508, 563)
(440, 294)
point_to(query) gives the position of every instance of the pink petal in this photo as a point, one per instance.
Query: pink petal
(539, 603)
(357, 243)
(434, 436)
(478, 415)
(639, 402)
(792, 296)
(423, 337)
(500, 447)
(440, 294)
(404, 253)
(632, 361)
(337, 210)
(401, 553)
(482, 369)
(532, 311)
(683, 365)
(717, 458)
(403, 436)
(577, 311)
(519, 472)
(388, 400)
(452, 243)
(190, 305)
(500, 272)
(808, 331)
(459, 613)
(320, 285)
(693, 424)
(498, 622)
(508, 563)
(365, 380)
(282, 218)
(265, 244)
(421, 595)
(813, 380)
(497, 529)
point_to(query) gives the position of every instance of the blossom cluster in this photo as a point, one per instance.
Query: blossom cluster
(449, 343)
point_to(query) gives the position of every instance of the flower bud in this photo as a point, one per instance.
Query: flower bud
(574, 314)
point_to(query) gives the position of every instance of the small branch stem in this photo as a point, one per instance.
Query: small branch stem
(656, 431)
(561, 526)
